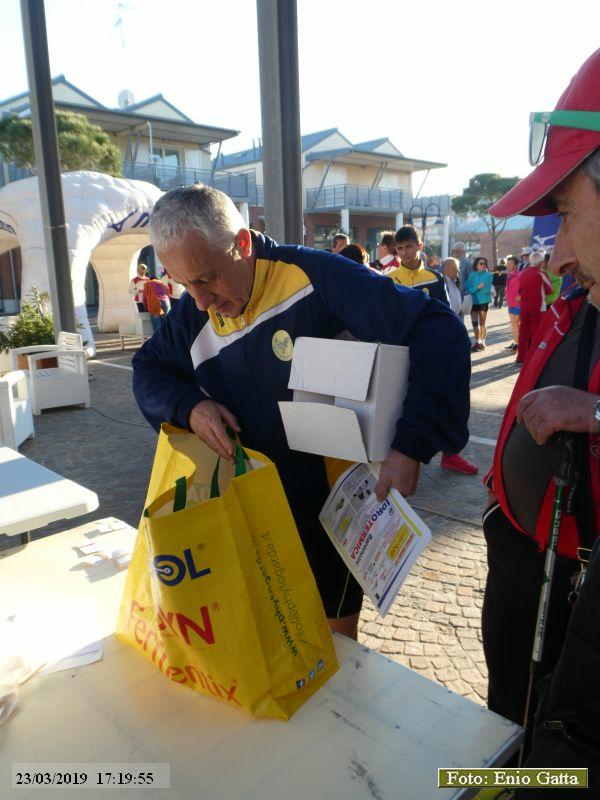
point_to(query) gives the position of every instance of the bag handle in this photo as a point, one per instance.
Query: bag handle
(181, 483)
(240, 469)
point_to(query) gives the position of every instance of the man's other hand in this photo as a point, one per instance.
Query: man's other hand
(207, 420)
(398, 471)
(557, 408)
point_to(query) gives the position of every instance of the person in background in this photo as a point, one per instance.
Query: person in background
(175, 289)
(136, 286)
(534, 286)
(525, 253)
(451, 271)
(387, 260)
(156, 301)
(555, 281)
(479, 285)
(464, 264)
(433, 262)
(339, 241)
(412, 272)
(513, 299)
(355, 252)
(499, 283)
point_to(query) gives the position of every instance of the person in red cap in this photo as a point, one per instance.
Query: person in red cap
(558, 390)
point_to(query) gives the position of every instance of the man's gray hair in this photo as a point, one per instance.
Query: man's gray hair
(459, 246)
(199, 208)
(591, 168)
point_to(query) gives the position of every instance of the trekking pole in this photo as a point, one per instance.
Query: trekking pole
(564, 476)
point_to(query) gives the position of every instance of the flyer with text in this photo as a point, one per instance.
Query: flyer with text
(379, 541)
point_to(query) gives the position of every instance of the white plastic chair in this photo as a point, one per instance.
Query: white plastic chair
(64, 385)
(143, 325)
(142, 328)
(16, 419)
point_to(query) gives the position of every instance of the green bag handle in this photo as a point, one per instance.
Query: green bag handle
(181, 483)
(240, 469)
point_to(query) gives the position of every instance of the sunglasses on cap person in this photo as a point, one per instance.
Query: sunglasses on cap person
(539, 122)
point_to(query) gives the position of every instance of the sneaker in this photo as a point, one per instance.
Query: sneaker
(511, 346)
(458, 464)
(475, 348)
(481, 345)
(514, 348)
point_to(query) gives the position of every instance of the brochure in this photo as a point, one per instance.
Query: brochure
(379, 541)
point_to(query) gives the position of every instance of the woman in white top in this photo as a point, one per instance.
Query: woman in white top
(136, 286)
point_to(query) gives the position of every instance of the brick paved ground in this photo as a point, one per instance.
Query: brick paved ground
(434, 626)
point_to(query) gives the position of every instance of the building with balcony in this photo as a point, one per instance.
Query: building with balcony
(158, 144)
(361, 189)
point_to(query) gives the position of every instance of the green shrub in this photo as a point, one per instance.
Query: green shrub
(34, 324)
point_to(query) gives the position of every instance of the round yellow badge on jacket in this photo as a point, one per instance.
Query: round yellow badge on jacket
(282, 345)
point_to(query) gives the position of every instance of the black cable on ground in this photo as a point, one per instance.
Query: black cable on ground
(122, 421)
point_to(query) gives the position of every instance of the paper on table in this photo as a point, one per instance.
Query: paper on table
(379, 542)
(48, 637)
(86, 655)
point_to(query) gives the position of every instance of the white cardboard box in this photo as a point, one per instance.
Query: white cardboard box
(348, 396)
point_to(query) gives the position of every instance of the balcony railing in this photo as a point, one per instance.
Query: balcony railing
(346, 195)
(358, 198)
(9, 172)
(239, 186)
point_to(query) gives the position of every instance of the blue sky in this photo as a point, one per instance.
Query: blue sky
(451, 82)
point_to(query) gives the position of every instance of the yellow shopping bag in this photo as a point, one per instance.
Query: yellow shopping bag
(220, 595)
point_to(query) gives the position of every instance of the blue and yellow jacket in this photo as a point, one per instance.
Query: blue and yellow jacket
(244, 363)
(423, 278)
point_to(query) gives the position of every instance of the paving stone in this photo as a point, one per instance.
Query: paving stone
(419, 663)
(414, 649)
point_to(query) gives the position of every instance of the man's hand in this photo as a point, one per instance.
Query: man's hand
(207, 420)
(557, 408)
(398, 471)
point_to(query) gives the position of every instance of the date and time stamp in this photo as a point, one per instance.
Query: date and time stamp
(92, 776)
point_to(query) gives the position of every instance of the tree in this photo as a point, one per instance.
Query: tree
(81, 145)
(482, 192)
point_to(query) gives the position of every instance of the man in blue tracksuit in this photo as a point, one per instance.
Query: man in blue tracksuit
(222, 357)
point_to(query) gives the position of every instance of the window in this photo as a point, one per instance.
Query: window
(166, 162)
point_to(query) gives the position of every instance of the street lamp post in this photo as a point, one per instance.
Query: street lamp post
(424, 213)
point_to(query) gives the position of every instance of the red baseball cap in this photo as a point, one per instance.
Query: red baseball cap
(566, 148)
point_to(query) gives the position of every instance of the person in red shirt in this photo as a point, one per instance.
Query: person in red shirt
(534, 285)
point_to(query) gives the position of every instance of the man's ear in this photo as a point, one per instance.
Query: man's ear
(243, 241)
(420, 246)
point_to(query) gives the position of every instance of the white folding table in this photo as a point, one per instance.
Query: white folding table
(376, 731)
(32, 496)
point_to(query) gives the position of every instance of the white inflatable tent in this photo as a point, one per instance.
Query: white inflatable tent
(107, 222)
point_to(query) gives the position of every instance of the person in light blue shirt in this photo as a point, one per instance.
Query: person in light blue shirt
(479, 285)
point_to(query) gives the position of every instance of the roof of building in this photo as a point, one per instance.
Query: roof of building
(255, 153)
(116, 120)
(359, 155)
(374, 143)
(58, 79)
(135, 108)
